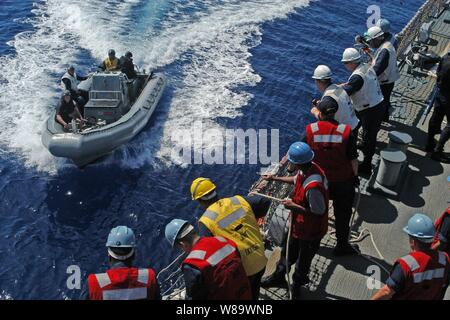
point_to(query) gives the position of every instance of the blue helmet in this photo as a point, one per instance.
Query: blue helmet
(174, 228)
(420, 227)
(300, 153)
(384, 24)
(121, 237)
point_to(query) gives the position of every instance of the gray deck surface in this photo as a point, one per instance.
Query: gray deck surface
(425, 190)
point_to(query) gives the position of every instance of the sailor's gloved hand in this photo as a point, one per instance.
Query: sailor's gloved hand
(66, 127)
(356, 181)
(359, 39)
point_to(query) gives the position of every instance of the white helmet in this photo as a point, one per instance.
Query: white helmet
(322, 72)
(350, 55)
(374, 32)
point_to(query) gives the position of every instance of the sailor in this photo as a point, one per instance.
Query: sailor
(442, 236)
(424, 273)
(385, 25)
(67, 110)
(123, 281)
(234, 218)
(213, 269)
(441, 110)
(384, 64)
(127, 65)
(309, 213)
(333, 95)
(334, 146)
(364, 91)
(69, 81)
(111, 63)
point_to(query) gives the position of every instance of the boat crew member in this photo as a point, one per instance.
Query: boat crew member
(364, 91)
(111, 63)
(234, 218)
(69, 81)
(334, 95)
(334, 146)
(441, 110)
(424, 273)
(123, 281)
(442, 236)
(213, 269)
(385, 25)
(67, 110)
(127, 65)
(309, 213)
(384, 64)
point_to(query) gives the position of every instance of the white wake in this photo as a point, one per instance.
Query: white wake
(209, 41)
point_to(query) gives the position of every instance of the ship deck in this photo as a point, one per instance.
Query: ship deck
(424, 189)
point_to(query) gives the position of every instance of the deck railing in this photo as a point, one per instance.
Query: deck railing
(429, 9)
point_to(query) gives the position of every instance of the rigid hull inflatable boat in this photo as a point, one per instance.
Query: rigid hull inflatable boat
(117, 110)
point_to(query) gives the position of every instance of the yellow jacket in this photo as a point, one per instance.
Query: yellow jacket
(233, 218)
(111, 65)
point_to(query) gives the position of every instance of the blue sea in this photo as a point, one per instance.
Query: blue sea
(230, 64)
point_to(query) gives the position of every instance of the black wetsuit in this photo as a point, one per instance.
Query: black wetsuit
(66, 110)
(127, 67)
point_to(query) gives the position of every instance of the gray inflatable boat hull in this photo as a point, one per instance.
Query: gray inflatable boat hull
(86, 147)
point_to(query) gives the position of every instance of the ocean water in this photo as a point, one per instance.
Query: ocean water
(230, 64)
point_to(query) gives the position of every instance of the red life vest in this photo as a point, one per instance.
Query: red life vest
(438, 225)
(310, 226)
(123, 284)
(329, 141)
(425, 275)
(223, 274)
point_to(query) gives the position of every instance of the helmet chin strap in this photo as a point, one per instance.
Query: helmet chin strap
(209, 196)
(118, 257)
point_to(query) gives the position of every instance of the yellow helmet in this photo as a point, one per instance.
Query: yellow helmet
(201, 187)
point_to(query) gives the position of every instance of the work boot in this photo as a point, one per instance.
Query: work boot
(345, 250)
(365, 169)
(440, 156)
(296, 292)
(276, 279)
